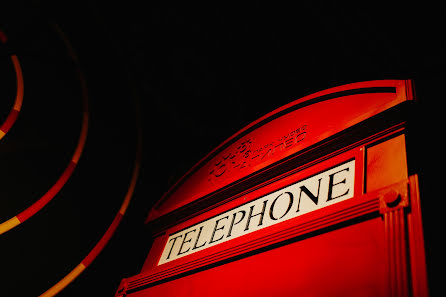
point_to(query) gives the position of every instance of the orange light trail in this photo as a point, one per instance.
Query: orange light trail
(49, 195)
(100, 245)
(66, 174)
(13, 114)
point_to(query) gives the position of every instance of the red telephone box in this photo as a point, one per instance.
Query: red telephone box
(313, 199)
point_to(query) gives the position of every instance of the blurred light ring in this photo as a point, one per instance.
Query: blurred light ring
(11, 223)
(100, 245)
(66, 174)
(15, 110)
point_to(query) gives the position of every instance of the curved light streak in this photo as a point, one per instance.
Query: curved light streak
(100, 245)
(66, 174)
(15, 110)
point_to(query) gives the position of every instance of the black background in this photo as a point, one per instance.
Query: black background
(200, 73)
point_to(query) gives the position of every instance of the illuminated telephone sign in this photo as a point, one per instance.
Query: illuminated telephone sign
(313, 199)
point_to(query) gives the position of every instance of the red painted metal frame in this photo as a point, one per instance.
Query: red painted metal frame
(282, 181)
(416, 242)
(340, 107)
(360, 206)
(391, 209)
(363, 204)
(394, 224)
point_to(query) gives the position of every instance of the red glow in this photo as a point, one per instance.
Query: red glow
(356, 247)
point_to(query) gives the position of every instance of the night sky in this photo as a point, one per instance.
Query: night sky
(196, 74)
